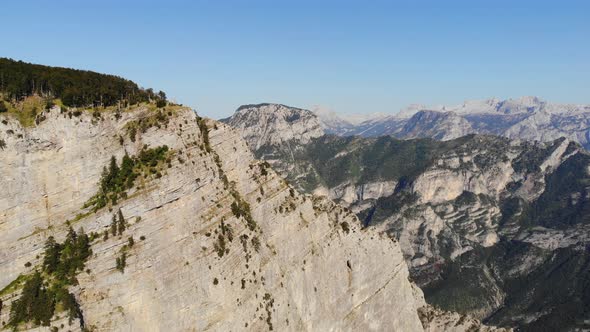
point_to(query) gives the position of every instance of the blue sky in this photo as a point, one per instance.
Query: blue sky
(350, 56)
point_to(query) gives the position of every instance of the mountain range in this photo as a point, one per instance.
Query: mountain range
(492, 227)
(527, 118)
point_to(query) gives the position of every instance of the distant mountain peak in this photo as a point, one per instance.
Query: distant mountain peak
(435, 124)
(274, 124)
(266, 106)
(530, 100)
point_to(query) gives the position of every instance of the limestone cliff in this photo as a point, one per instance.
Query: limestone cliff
(213, 239)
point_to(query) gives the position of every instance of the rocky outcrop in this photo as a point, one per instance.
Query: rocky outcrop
(274, 125)
(221, 242)
(356, 196)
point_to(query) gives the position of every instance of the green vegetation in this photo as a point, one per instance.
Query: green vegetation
(263, 170)
(161, 103)
(244, 242)
(157, 118)
(13, 285)
(387, 206)
(132, 132)
(255, 243)
(227, 231)
(73, 87)
(35, 304)
(45, 291)
(241, 208)
(26, 110)
(345, 227)
(552, 286)
(269, 308)
(566, 199)
(334, 160)
(118, 225)
(466, 198)
(204, 132)
(121, 261)
(533, 156)
(219, 246)
(64, 260)
(115, 180)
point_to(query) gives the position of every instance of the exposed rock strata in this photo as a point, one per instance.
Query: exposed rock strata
(313, 267)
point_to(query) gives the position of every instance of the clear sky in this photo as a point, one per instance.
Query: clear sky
(350, 56)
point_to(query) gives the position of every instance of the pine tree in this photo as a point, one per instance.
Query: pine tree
(113, 173)
(126, 172)
(83, 247)
(114, 226)
(71, 237)
(104, 180)
(121, 222)
(51, 256)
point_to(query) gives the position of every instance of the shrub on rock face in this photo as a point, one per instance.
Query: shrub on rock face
(345, 227)
(49, 105)
(121, 262)
(160, 103)
(3, 107)
(256, 243)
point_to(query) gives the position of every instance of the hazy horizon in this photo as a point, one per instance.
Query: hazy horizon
(350, 57)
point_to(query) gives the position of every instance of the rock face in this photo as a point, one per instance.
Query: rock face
(480, 219)
(437, 125)
(524, 118)
(274, 124)
(221, 241)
